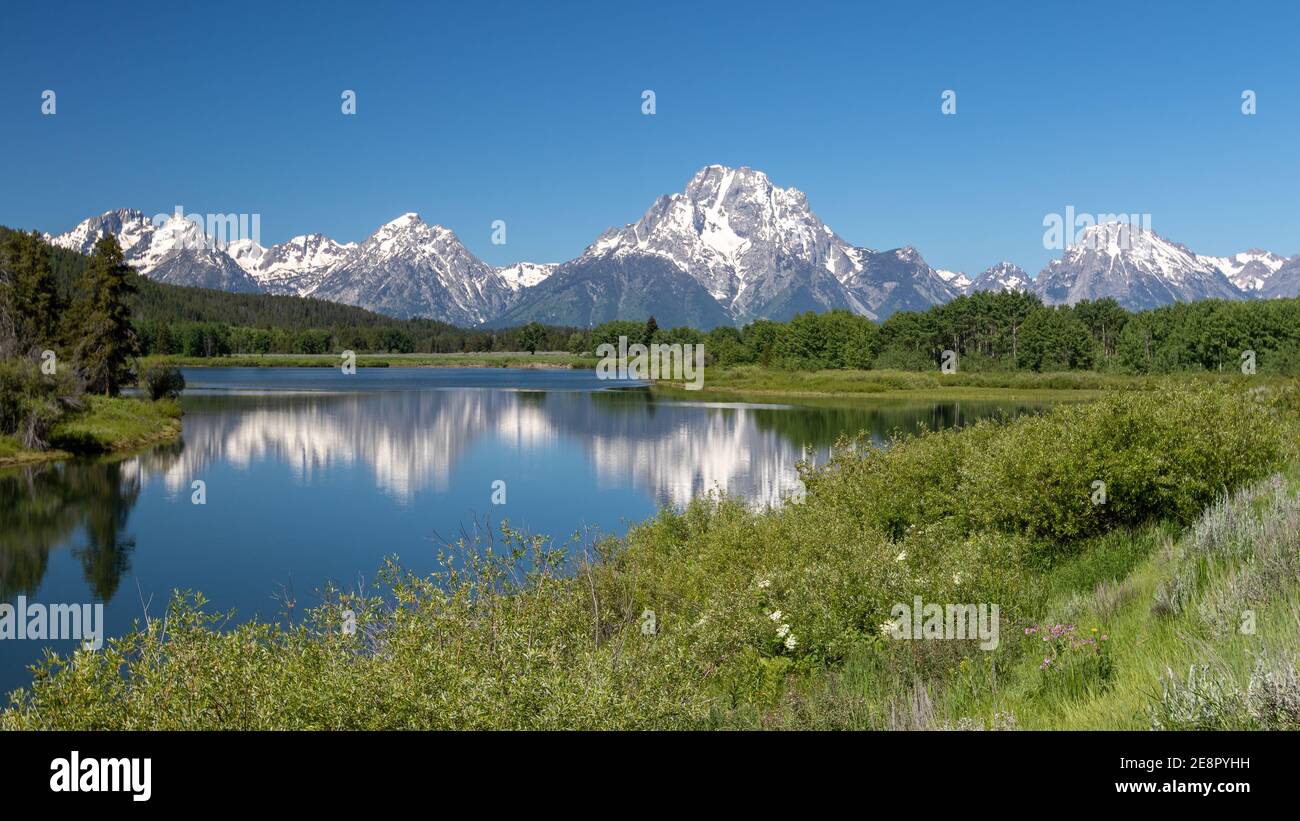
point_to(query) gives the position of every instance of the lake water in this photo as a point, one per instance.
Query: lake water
(313, 476)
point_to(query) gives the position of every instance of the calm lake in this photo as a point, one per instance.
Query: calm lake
(313, 476)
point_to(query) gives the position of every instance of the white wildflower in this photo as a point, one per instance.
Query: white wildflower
(763, 584)
(790, 642)
(782, 631)
(901, 557)
(776, 615)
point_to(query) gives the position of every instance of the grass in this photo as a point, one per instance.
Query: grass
(522, 359)
(12, 453)
(105, 425)
(1116, 587)
(753, 380)
(723, 616)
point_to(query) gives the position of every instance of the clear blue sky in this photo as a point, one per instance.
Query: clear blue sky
(530, 112)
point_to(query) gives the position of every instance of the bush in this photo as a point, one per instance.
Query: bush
(1160, 454)
(162, 381)
(32, 403)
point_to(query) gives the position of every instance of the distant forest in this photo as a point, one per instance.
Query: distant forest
(987, 332)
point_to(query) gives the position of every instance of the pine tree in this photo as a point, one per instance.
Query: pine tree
(32, 291)
(105, 340)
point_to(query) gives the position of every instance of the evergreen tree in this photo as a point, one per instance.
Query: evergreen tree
(33, 293)
(105, 339)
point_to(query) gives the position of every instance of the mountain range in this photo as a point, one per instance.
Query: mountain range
(729, 249)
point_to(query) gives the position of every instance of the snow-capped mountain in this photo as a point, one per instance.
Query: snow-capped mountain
(203, 267)
(177, 251)
(957, 280)
(754, 248)
(132, 228)
(410, 269)
(730, 248)
(1004, 276)
(526, 274)
(294, 267)
(1136, 267)
(1248, 270)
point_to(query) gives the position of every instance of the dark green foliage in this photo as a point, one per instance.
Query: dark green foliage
(1160, 454)
(31, 403)
(162, 381)
(532, 335)
(105, 338)
(31, 295)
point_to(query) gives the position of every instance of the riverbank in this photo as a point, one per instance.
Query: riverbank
(754, 380)
(106, 425)
(724, 616)
(539, 360)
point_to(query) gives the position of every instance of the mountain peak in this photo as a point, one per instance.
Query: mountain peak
(1135, 266)
(406, 220)
(1114, 237)
(1002, 276)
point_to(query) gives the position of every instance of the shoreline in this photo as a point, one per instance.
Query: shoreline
(523, 361)
(99, 431)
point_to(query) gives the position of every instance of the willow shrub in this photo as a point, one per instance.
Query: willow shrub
(1078, 471)
(694, 610)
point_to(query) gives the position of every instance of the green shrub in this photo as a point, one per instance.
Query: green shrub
(32, 403)
(162, 381)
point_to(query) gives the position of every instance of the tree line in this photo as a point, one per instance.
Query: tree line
(1005, 331)
(986, 330)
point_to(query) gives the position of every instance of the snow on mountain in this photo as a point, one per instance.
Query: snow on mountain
(132, 228)
(755, 248)
(1136, 267)
(203, 267)
(410, 269)
(177, 251)
(294, 267)
(526, 274)
(957, 280)
(246, 253)
(1004, 276)
(1248, 270)
(730, 248)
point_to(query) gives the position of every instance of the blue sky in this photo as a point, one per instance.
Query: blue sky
(531, 113)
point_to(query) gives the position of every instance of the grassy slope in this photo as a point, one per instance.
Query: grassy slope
(1121, 587)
